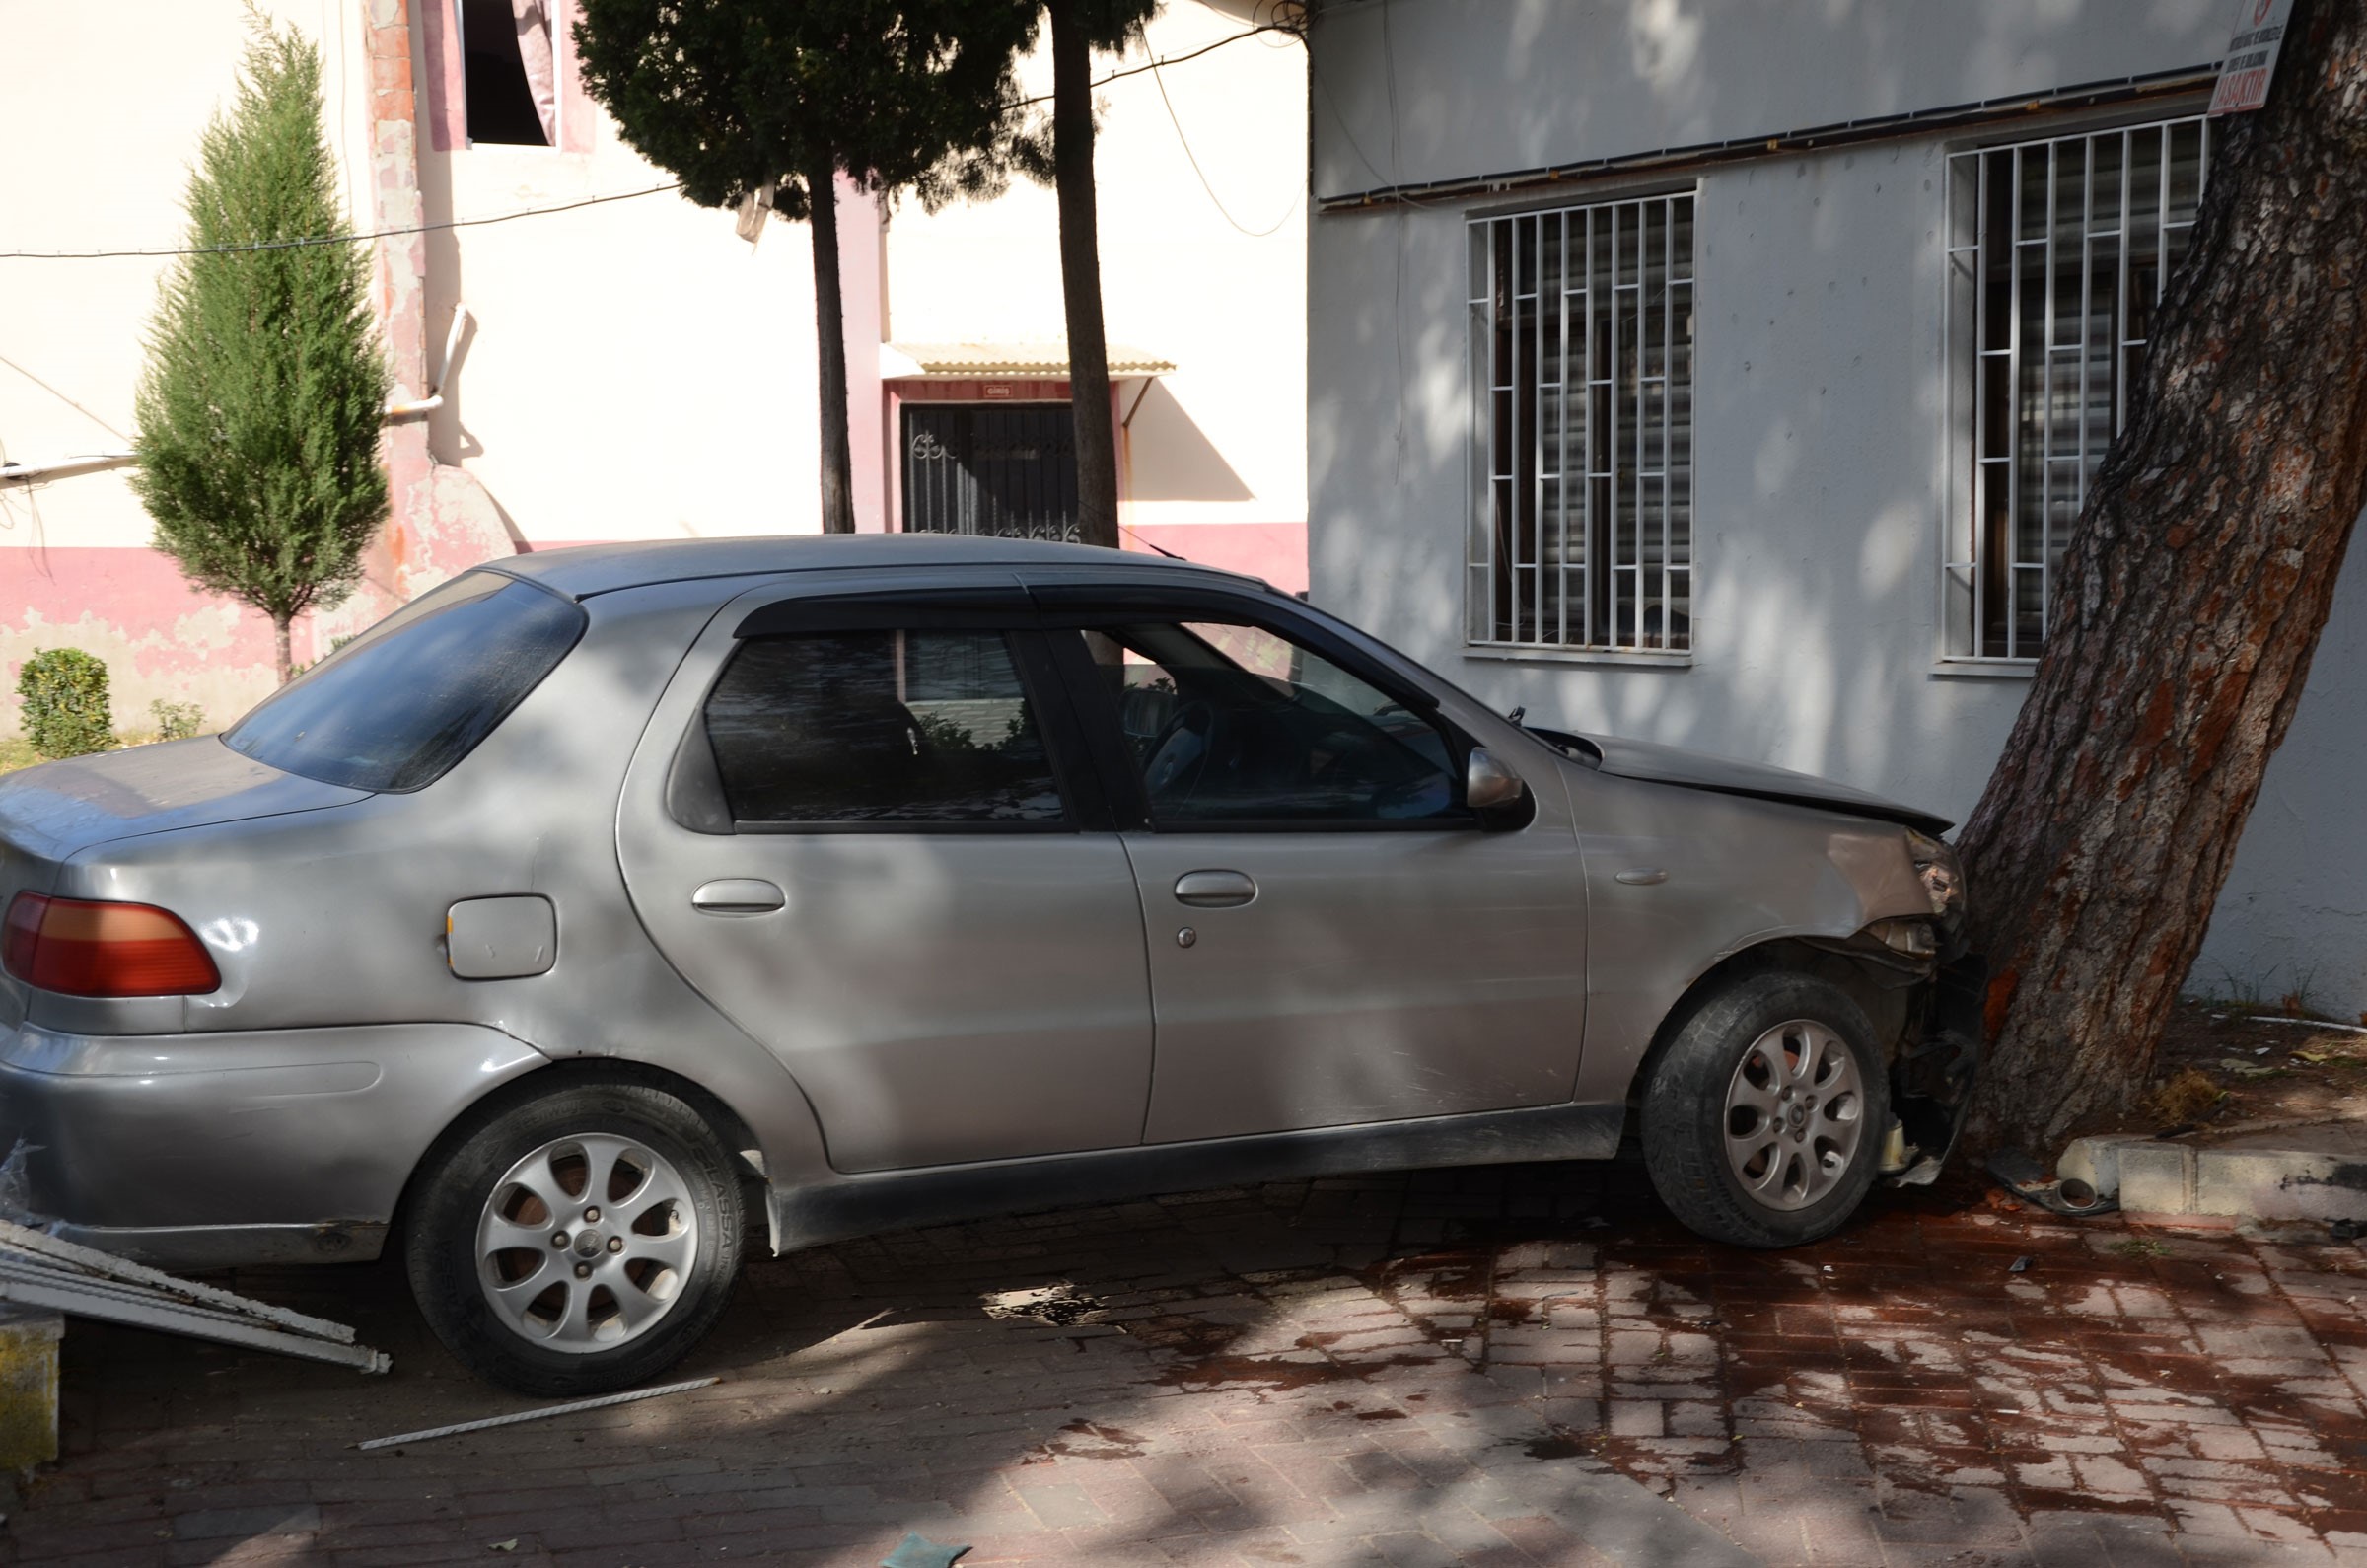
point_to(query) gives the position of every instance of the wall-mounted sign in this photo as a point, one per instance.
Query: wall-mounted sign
(2251, 55)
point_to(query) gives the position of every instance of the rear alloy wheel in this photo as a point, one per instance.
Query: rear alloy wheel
(1761, 1124)
(579, 1243)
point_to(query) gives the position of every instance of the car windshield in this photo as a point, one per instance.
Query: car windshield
(399, 707)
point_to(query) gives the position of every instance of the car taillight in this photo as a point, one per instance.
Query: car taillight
(85, 949)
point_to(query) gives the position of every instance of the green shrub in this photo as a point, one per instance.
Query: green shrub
(176, 721)
(61, 695)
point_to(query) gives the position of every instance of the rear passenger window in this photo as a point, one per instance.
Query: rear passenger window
(888, 728)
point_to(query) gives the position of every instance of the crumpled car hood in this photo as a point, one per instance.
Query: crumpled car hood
(1700, 770)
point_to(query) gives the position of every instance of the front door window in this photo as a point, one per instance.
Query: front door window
(1236, 725)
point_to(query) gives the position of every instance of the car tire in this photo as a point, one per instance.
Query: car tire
(646, 1263)
(1764, 1120)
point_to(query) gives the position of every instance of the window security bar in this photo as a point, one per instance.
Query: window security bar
(2059, 251)
(1582, 337)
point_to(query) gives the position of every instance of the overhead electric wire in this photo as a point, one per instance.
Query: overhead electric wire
(165, 253)
(1172, 59)
(336, 239)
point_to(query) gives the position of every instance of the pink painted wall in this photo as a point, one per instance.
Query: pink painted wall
(1274, 551)
(447, 117)
(160, 637)
(860, 286)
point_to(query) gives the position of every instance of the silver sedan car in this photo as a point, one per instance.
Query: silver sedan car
(601, 900)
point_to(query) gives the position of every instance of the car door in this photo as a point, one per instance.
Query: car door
(880, 856)
(1335, 936)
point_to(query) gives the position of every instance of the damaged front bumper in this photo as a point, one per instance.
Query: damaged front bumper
(1931, 1080)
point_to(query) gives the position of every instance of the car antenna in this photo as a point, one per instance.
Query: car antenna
(1148, 546)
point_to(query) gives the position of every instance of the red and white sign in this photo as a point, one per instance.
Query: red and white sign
(2251, 55)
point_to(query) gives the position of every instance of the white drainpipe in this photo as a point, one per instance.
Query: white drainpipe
(435, 397)
(14, 475)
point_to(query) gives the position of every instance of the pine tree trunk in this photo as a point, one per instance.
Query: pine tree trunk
(280, 645)
(1081, 278)
(830, 353)
(2189, 602)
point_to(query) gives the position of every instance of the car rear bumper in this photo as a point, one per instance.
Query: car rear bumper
(196, 1151)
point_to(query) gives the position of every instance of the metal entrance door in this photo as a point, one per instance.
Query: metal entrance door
(1008, 471)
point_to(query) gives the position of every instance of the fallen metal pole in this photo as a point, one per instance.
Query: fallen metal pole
(78, 1298)
(537, 1415)
(23, 1240)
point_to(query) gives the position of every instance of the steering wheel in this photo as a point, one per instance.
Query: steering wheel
(1178, 756)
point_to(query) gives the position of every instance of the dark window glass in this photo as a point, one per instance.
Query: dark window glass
(500, 100)
(1006, 469)
(1236, 724)
(399, 705)
(880, 727)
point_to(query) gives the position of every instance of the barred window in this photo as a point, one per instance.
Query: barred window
(2058, 250)
(1582, 362)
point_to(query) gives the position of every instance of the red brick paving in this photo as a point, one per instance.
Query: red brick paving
(1423, 1370)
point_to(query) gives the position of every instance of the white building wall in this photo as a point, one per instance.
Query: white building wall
(1420, 91)
(1819, 433)
(1211, 276)
(635, 369)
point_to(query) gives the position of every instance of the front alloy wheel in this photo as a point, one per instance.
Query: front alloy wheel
(1761, 1118)
(1795, 1116)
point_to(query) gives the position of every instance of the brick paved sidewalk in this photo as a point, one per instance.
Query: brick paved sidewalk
(1508, 1366)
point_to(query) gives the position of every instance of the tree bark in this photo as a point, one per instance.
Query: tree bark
(829, 352)
(280, 647)
(1081, 277)
(2192, 595)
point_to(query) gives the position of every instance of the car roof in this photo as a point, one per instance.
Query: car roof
(585, 570)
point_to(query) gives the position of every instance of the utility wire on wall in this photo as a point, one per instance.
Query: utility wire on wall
(1193, 159)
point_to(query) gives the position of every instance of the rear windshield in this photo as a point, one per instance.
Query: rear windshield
(399, 707)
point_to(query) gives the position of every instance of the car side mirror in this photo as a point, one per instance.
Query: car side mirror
(1488, 785)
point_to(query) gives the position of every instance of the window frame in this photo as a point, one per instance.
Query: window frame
(694, 794)
(1584, 643)
(1070, 609)
(1961, 567)
(439, 25)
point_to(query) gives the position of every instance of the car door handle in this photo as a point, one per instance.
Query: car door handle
(1640, 876)
(1215, 890)
(738, 895)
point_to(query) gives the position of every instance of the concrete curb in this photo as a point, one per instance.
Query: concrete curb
(28, 1388)
(2296, 1182)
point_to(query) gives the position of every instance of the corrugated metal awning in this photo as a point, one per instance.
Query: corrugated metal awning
(1036, 361)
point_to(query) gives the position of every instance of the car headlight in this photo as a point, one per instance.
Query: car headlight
(1942, 874)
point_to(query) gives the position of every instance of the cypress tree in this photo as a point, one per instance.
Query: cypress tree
(266, 385)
